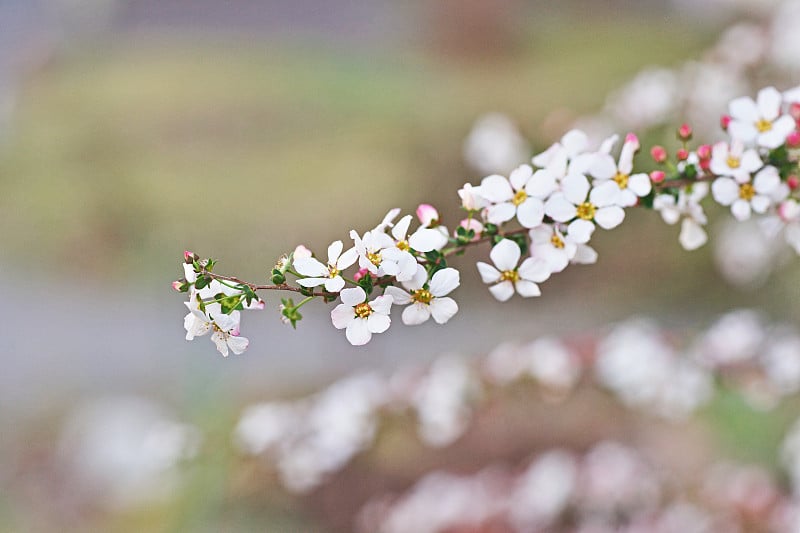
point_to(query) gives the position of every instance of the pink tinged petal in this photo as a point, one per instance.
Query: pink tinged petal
(238, 344)
(347, 259)
(542, 184)
(488, 273)
(505, 255)
(575, 188)
(520, 176)
(443, 309)
(760, 204)
(310, 267)
(725, 191)
(400, 230)
(334, 284)
(427, 214)
(580, 230)
(358, 332)
(378, 323)
(218, 339)
(496, 189)
(342, 315)
(499, 213)
(741, 210)
(444, 282)
(416, 313)
(527, 289)
(743, 109)
(425, 240)
(609, 217)
(574, 142)
(312, 282)
(603, 167)
(769, 103)
(530, 213)
(585, 255)
(626, 156)
(353, 296)
(692, 235)
(534, 269)
(559, 208)
(607, 193)
(640, 184)
(382, 304)
(767, 180)
(334, 251)
(399, 296)
(742, 131)
(502, 291)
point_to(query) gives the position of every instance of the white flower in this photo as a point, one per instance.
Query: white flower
(631, 187)
(507, 278)
(734, 161)
(427, 299)
(398, 259)
(494, 144)
(370, 248)
(582, 206)
(359, 317)
(301, 252)
(471, 198)
(746, 197)
(760, 122)
(555, 248)
(521, 195)
(686, 206)
(225, 327)
(330, 274)
(556, 159)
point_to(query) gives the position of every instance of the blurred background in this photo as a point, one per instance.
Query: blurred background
(131, 130)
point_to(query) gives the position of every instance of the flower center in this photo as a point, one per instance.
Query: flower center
(509, 275)
(586, 211)
(363, 310)
(557, 241)
(520, 197)
(763, 125)
(332, 271)
(733, 161)
(374, 258)
(621, 180)
(403, 245)
(422, 296)
(746, 191)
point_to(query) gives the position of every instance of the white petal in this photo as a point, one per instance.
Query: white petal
(358, 333)
(742, 131)
(505, 255)
(443, 309)
(312, 282)
(496, 189)
(580, 230)
(189, 273)
(382, 304)
(603, 167)
(444, 282)
(725, 191)
(353, 296)
(542, 184)
(418, 280)
(575, 188)
(502, 291)
(574, 141)
(530, 213)
(425, 239)
(342, 315)
(750, 162)
(585, 255)
(347, 259)
(334, 284)
(760, 204)
(534, 269)
(541, 234)
(767, 180)
(769, 103)
(378, 323)
(499, 213)
(609, 217)
(606, 193)
(308, 266)
(559, 208)
(520, 176)
(399, 296)
(741, 209)
(692, 236)
(238, 344)
(743, 109)
(416, 314)
(489, 274)
(334, 251)
(527, 289)
(400, 230)
(640, 184)
(218, 339)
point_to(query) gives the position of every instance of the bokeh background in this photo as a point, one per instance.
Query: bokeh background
(131, 130)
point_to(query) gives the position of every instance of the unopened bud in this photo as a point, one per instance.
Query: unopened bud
(682, 154)
(793, 182)
(190, 257)
(658, 153)
(704, 151)
(360, 274)
(725, 121)
(657, 176)
(793, 139)
(794, 110)
(685, 132)
(427, 215)
(177, 286)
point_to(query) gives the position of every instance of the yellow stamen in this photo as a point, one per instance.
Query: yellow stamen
(363, 310)
(621, 180)
(733, 161)
(763, 125)
(332, 271)
(374, 258)
(586, 211)
(403, 245)
(509, 275)
(746, 191)
(520, 197)
(422, 296)
(557, 241)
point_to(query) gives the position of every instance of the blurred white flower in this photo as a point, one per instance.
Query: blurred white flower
(735, 338)
(543, 491)
(495, 146)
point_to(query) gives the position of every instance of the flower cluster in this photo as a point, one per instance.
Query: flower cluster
(537, 220)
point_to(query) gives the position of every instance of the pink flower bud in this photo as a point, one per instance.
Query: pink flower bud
(189, 257)
(794, 110)
(704, 151)
(657, 176)
(176, 286)
(658, 153)
(725, 121)
(682, 154)
(705, 164)
(789, 210)
(793, 139)
(427, 215)
(685, 132)
(470, 199)
(793, 182)
(472, 224)
(301, 252)
(631, 138)
(360, 274)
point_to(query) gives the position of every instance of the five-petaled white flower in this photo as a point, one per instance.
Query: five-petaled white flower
(552, 246)
(747, 197)
(398, 259)
(631, 187)
(520, 195)
(360, 317)
(734, 161)
(427, 299)
(581, 205)
(330, 274)
(558, 158)
(225, 327)
(370, 247)
(686, 206)
(506, 277)
(760, 122)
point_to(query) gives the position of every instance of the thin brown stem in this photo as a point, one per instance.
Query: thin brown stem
(280, 287)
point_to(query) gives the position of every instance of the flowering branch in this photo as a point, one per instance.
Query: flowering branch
(557, 203)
